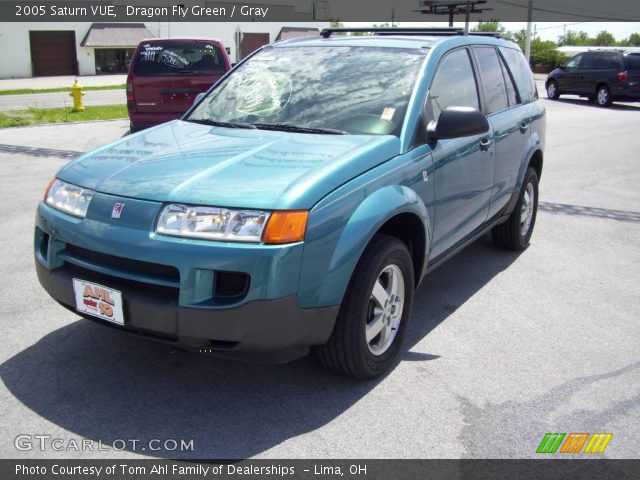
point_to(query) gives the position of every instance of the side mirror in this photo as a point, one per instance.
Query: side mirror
(457, 122)
(562, 66)
(199, 97)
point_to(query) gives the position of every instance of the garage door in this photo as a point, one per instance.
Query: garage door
(53, 53)
(251, 42)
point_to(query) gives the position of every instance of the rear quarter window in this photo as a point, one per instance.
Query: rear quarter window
(178, 58)
(521, 72)
(493, 84)
(632, 61)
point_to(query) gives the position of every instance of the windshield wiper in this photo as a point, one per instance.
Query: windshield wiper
(216, 123)
(294, 128)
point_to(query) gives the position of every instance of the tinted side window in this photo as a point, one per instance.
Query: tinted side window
(600, 61)
(453, 85)
(495, 92)
(632, 61)
(574, 62)
(521, 73)
(610, 61)
(512, 94)
(590, 61)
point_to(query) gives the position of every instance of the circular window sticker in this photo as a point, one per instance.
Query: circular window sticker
(263, 93)
(172, 59)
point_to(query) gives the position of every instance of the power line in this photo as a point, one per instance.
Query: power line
(562, 26)
(582, 8)
(546, 10)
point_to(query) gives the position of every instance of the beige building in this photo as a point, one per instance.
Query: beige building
(67, 48)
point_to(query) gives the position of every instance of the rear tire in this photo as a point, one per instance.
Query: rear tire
(552, 90)
(515, 233)
(374, 312)
(603, 96)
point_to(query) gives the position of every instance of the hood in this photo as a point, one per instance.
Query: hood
(185, 162)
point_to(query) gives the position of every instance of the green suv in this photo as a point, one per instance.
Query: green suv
(300, 202)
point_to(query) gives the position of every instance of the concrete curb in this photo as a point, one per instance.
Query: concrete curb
(64, 123)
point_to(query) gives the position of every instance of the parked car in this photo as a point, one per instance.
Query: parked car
(166, 75)
(601, 76)
(301, 202)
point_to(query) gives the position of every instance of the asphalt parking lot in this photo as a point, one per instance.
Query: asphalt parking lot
(501, 349)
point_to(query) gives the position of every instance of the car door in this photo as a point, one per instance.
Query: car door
(587, 73)
(462, 167)
(568, 79)
(509, 121)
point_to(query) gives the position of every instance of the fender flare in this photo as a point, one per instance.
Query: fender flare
(367, 219)
(534, 146)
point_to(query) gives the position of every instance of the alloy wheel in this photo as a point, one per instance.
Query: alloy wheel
(603, 96)
(385, 309)
(526, 211)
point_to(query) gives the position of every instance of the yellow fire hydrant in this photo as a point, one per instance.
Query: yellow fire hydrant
(77, 94)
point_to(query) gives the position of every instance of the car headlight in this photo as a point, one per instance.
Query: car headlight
(69, 198)
(233, 225)
(212, 223)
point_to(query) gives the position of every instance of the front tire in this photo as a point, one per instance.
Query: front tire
(515, 233)
(552, 90)
(374, 312)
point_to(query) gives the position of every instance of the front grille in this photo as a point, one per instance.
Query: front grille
(166, 272)
(123, 284)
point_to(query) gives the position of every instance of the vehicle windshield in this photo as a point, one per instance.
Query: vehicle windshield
(356, 90)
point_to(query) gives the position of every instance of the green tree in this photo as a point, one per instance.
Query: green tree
(605, 38)
(544, 52)
(520, 37)
(336, 23)
(632, 41)
(490, 26)
(574, 39)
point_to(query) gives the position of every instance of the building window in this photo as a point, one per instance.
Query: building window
(113, 60)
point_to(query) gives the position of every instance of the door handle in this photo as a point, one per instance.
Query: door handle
(485, 143)
(523, 127)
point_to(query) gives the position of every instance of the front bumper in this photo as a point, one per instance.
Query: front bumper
(265, 323)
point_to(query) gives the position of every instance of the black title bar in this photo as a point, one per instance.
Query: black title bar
(596, 469)
(317, 10)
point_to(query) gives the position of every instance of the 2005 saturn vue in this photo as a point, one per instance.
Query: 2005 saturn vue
(301, 201)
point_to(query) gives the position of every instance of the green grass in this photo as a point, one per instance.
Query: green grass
(37, 116)
(22, 91)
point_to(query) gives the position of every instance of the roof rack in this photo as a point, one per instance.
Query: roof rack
(487, 34)
(443, 32)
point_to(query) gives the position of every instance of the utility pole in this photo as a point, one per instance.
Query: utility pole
(466, 18)
(527, 49)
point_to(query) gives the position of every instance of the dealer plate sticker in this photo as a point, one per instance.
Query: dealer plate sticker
(99, 301)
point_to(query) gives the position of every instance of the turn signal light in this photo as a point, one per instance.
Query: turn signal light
(46, 190)
(286, 227)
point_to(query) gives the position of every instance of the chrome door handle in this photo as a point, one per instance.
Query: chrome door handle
(485, 143)
(523, 127)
